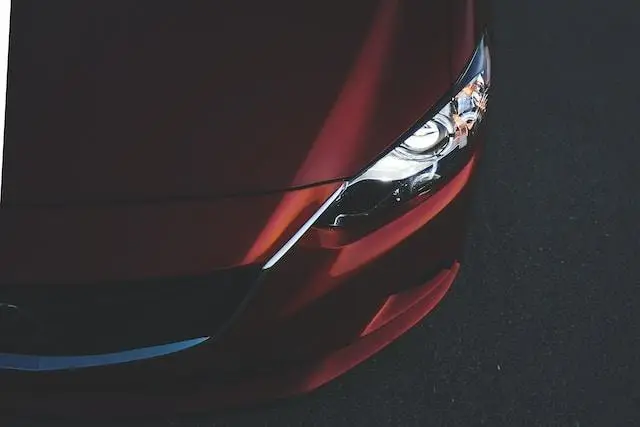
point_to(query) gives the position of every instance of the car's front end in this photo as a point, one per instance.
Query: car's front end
(198, 302)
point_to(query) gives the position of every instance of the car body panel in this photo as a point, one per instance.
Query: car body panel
(93, 244)
(283, 343)
(256, 387)
(328, 303)
(131, 103)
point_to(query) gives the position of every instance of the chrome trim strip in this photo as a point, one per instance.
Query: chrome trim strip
(34, 363)
(307, 225)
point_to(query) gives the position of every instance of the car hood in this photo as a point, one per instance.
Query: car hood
(135, 101)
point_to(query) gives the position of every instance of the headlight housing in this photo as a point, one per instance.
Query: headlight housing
(436, 148)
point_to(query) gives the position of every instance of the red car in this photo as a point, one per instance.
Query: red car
(208, 204)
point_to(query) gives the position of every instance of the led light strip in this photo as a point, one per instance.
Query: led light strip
(5, 20)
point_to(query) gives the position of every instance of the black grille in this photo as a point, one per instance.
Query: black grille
(112, 317)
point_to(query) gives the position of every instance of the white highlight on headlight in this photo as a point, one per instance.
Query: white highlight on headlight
(444, 133)
(5, 19)
(426, 138)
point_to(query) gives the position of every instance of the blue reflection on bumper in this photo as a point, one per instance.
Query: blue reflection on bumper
(20, 362)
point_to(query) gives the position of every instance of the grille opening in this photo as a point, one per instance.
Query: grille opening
(111, 317)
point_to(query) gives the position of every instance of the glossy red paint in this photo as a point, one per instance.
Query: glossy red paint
(176, 96)
(91, 244)
(295, 379)
(329, 303)
(285, 343)
(343, 288)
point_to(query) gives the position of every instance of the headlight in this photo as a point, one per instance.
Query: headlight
(435, 149)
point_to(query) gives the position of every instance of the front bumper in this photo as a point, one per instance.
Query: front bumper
(202, 394)
(293, 335)
(325, 308)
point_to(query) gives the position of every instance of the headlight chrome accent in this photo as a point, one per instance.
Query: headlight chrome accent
(307, 225)
(432, 151)
(427, 156)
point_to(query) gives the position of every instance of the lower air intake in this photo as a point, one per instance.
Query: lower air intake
(95, 319)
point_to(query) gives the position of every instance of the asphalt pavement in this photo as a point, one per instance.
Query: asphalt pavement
(542, 328)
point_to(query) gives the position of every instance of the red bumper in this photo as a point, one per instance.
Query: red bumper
(295, 379)
(307, 323)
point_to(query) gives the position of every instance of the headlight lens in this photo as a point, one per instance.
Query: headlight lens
(432, 153)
